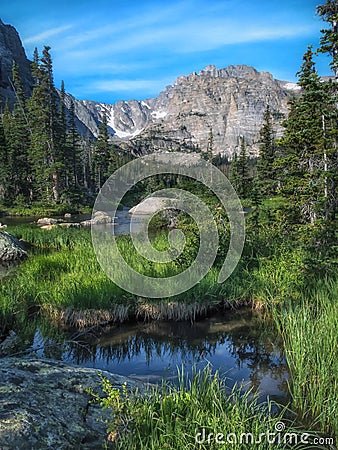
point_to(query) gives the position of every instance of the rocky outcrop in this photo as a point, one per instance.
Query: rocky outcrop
(45, 404)
(11, 50)
(11, 249)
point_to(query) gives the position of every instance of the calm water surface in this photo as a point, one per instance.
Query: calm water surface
(244, 348)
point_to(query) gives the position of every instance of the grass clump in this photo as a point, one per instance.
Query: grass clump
(170, 417)
(309, 329)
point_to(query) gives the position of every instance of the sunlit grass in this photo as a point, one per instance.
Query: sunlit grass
(309, 329)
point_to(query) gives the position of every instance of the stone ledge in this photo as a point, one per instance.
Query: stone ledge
(44, 404)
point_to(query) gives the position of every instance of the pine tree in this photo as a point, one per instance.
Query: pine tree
(239, 171)
(46, 155)
(73, 150)
(266, 173)
(329, 40)
(102, 154)
(4, 170)
(19, 144)
(303, 145)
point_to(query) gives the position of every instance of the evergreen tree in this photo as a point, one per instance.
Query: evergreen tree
(239, 171)
(303, 146)
(19, 144)
(4, 170)
(46, 155)
(74, 165)
(102, 154)
(329, 40)
(243, 170)
(266, 181)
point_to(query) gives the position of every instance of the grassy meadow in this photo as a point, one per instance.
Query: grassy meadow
(63, 282)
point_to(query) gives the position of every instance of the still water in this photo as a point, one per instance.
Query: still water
(239, 344)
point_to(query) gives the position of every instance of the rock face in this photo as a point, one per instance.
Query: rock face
(11, 50)
(215, 105)
(44, 404)
(11, 249)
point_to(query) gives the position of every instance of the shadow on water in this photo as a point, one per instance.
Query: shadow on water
(239, 344)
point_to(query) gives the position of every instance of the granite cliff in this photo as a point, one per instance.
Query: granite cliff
(11, 49)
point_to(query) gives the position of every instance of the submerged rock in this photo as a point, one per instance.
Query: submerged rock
(11, 249)
(44, 404)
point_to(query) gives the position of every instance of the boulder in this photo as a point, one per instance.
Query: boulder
(11, 249)
(48, 221)
(45, 404)
(99, 218)
(151, 205)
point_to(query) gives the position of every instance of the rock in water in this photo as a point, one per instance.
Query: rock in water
(45, 404)
(11, 249)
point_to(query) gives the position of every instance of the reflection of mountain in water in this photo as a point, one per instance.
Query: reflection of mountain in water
(238, 344)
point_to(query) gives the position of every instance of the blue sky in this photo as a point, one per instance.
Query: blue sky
(124, 49)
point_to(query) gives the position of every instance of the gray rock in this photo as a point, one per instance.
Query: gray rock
(11, 49)
(11, 249)
(151, 205)
(48, 221)
(231, 102)
(99, 218)
(44, 404)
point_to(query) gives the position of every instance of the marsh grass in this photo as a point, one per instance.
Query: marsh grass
(66, 282)
(169, 417)
(192, 413)
(309, 329)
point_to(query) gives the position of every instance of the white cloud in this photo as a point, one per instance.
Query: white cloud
(46, 34)
(128, 85)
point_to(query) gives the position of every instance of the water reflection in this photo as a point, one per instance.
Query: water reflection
(239, 344)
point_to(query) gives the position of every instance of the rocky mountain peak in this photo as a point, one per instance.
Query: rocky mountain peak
(11, 50)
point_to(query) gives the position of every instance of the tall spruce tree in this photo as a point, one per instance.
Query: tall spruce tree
(102, 154)
(19, 144)
(45, 153)
(239, 171)
(4, 170)
(266, 182)
(303, 147)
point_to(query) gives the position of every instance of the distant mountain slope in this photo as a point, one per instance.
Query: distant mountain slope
(229, 103)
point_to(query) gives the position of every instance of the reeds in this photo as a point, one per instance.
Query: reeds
(309, 329)
(188, 416)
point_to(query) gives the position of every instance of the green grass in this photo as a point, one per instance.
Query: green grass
(44, 209)
(309, 329)
(170, 417)
(63, 280)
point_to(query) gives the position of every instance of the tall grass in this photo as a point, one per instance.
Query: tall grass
(310, 332)
(170, 417)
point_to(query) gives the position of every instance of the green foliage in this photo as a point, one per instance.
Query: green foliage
(169, 417)
(309, 329)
